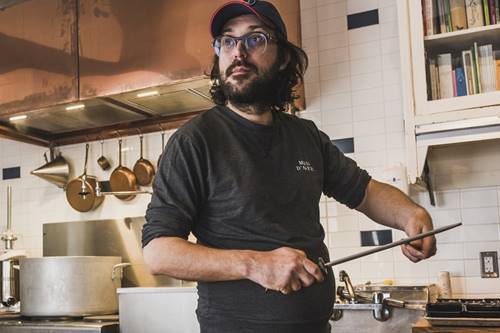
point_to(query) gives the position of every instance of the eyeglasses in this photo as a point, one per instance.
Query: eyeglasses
(254, 42)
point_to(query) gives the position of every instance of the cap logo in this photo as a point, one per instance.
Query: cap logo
(251, 2)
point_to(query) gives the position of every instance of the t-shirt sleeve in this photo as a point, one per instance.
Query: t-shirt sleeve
(178, 192)
(345, 181)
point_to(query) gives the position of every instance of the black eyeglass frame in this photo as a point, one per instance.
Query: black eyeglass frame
(217, 47)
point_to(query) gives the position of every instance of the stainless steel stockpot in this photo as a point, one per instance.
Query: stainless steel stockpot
(69, 286)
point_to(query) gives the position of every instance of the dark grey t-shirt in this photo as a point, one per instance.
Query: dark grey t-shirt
(240, 185)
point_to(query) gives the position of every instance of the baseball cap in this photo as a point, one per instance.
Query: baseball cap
(264, 10)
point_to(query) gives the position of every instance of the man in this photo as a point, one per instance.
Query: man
(246, 179)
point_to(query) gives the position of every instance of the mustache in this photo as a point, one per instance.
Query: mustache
(237, 63)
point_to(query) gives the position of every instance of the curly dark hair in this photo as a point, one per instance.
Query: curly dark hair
(288, 78)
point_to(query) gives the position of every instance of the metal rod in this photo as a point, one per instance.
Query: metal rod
(9, 208)
(323, 265)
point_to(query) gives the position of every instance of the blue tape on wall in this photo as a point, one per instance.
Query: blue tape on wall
(376, 237)
(11, 173)
(362, 19)
(345, 145)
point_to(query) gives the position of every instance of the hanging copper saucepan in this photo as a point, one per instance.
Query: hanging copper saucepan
(143, 169)
(122, 178)
(80, 192)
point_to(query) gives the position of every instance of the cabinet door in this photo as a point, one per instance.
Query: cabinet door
(38, 58)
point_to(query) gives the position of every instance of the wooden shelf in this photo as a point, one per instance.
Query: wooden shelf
(462, 39)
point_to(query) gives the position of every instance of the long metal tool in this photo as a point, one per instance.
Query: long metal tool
(323, 265)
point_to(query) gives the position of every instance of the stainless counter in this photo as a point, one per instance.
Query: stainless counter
(18, 324)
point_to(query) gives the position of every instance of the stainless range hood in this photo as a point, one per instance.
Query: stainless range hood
(128, 62)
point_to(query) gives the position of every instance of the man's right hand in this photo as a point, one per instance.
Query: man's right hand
(284, 269)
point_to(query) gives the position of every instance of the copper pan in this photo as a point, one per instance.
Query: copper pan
(81, 193)
(122, 178)
(143, 169)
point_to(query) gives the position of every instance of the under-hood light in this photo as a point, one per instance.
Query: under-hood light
(148, 94)
(75, 107)
(16, 118)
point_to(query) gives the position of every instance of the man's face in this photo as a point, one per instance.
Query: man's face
(247, 76)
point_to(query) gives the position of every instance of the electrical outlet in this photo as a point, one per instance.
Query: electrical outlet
(489, 264)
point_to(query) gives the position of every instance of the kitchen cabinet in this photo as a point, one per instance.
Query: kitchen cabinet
(429, 119)
(423, 326)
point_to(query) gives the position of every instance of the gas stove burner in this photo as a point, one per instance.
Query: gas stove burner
(472, 308)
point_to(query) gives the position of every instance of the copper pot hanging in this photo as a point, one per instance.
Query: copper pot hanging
(143, 169)
(122, 178)
(80, 192)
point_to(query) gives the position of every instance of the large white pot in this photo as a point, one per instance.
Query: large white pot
(69, 286)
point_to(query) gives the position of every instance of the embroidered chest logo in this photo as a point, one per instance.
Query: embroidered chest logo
(304, 166)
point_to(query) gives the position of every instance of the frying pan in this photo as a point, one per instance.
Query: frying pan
(122, 178)
(80, 192)
(143, 169)
(162, 148)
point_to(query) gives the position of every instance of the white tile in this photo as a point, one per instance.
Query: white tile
(333, 56)
(392, 92)
(364, 34)
(367, 65)
(345, 239)
(408, 269)
(451, 251)
(332, 41)
(365, 50)
(334, 71)
(391, 61)
(337, 116)
(386, 3)
(393, 108)
(311, 75)
(447, 199)
(476, 285)
(389, 29)
(334, 25)
(309, 29)
(343, 223)
(340, 252)
(366, 81)
(371, 159)
(485, 215)
(390, 45)
(392, 77)
(335, 86)
(396, 157)
(483, 197)
(457, 286)
(339, 131)
(455, 267)
(472, 268)
(388, 14)
(312, 89)
(335, 101)
(314, 116)
(395, 140)
(368, 112)
(306, 4)
(367, 96)
(332, 10)
(322, 209)
(310, 44)
(358, 6)
(475, 233)
(308, 15)
(377, 270)
(369, 127)
(442, 217)
(335, 208)
(394, 124)
(370, 143)
(313, 58)
(472, 250)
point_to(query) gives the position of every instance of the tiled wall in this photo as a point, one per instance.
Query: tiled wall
(352, 91)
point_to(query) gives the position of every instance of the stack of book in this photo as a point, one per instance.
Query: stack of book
(475, 71)
(442, 16)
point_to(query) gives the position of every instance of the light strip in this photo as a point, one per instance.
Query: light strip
(75, 107)
(16, 118)
(148, 94)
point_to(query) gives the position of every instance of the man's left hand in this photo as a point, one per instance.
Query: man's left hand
(424, 248)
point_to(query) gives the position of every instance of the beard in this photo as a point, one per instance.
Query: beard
(253, 95)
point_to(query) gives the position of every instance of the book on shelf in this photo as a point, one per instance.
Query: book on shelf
(497, 10)
(492, 9)
(497, 62)
(474, 9)
(458, 15)
(486, 9)
(461, 84)
(445, 75)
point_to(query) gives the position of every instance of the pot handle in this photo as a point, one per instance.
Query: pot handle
(117, 271)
